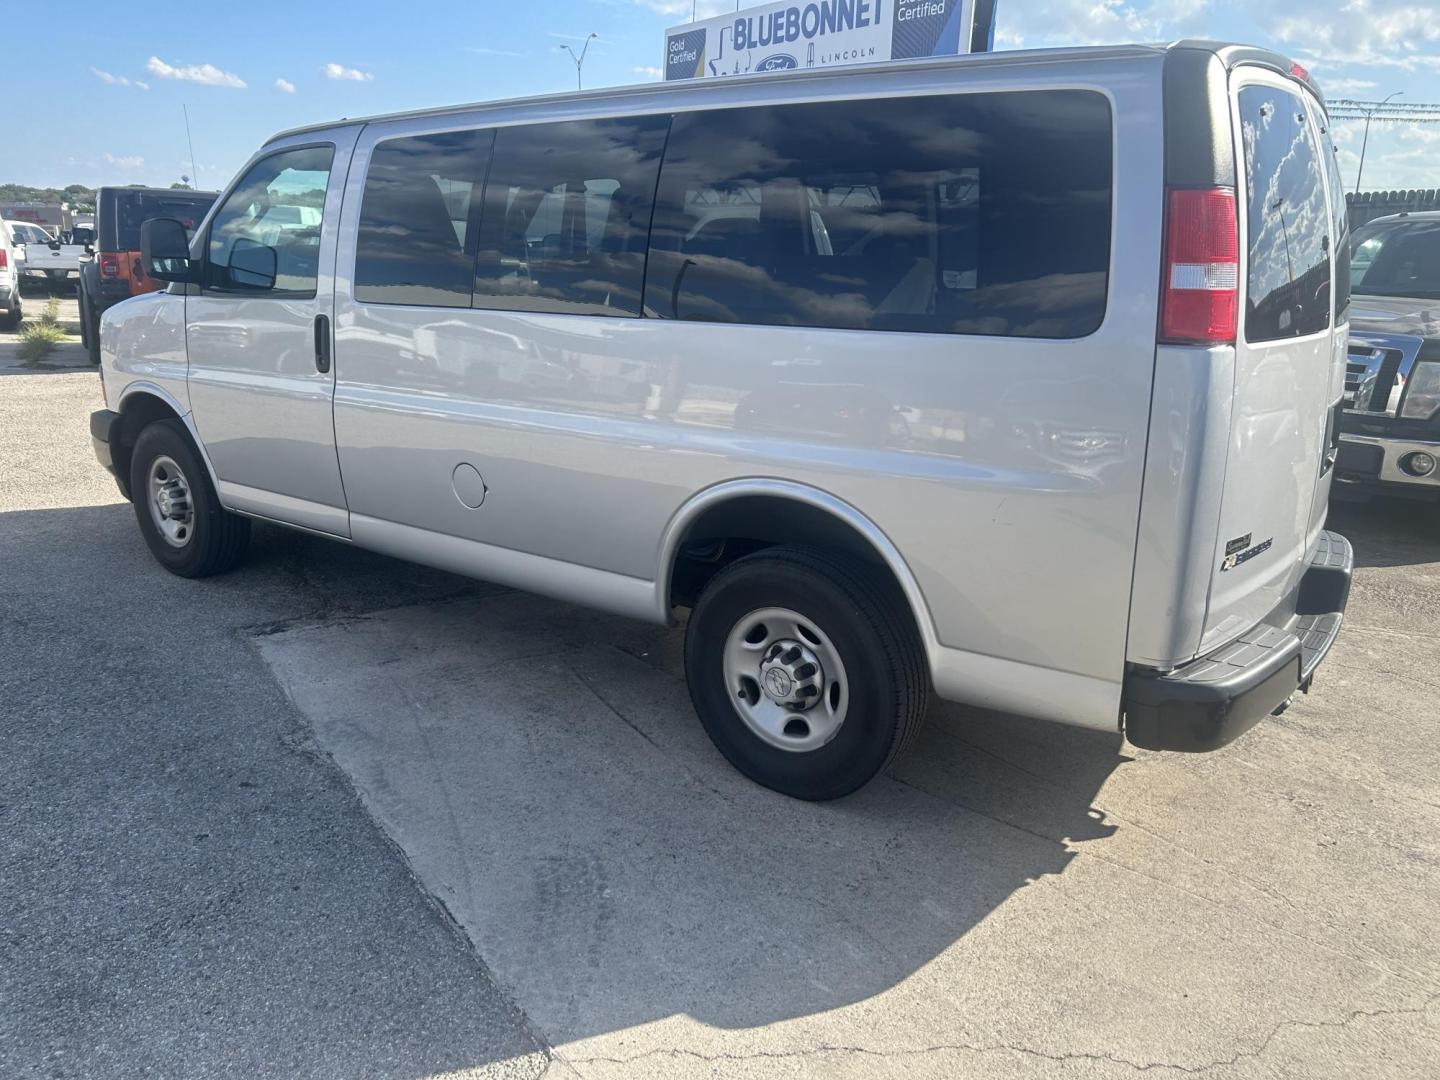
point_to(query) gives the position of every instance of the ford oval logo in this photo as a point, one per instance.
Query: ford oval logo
(778, 62)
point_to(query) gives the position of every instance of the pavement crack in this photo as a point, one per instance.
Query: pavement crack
(1011, 1048)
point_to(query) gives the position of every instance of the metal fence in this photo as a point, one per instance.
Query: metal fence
(1368, 205)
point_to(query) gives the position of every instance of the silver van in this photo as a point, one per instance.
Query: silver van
(1009, 376)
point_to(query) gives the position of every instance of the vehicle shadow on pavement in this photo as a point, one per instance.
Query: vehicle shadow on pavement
(186, 888)
(1389, 531)
(544, 773)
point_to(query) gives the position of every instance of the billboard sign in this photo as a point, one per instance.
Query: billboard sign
(794, 34)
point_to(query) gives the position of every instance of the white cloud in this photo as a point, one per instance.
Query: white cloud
(118, 80)
(481, 50)
(1398, 155)
(1037, 23)
(1343, 87)
(204, 74)
(125, 161)
(650, 72)
(346, 74)
(285, 86)
(1376, 33)
(706, 8)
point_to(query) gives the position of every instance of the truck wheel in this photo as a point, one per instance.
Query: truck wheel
(90, 330)
(179, 513)
(805, 670)
(84, 319)
(11, 319)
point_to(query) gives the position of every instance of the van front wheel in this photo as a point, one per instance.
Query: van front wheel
(804, 670)
(180, 516)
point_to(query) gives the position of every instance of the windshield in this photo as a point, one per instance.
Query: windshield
(1397, 258)
(133, 210)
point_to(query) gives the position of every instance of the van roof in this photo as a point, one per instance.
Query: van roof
(1229, 53)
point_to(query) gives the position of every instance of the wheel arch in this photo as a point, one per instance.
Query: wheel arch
(760, 512)
(140, 404)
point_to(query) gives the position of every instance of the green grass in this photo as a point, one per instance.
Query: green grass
(39, 338)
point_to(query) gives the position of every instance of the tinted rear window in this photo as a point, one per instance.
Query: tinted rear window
(1339, 214)
(1400, 258)
(962, 214)
(1288, 232)
(419, 219)
(134, 209)
(567, 209)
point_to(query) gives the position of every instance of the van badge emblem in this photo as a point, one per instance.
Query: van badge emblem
(1235, 558)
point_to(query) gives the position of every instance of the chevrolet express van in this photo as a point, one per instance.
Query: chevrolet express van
(1010, 376)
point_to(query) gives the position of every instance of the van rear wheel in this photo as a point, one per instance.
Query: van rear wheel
(180, 516)
(805, 670)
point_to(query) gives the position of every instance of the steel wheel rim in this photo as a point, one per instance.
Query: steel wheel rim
(172, 506)
(769, 688)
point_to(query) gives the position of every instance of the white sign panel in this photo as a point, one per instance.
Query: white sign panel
(817, 33)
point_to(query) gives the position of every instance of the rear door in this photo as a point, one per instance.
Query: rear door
(1284, 357)
(258, 336)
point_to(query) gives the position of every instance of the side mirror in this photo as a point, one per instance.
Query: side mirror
(252, 264)
(165, 251)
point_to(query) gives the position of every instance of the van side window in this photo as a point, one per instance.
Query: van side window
(567, 210)
(1287, 283)
(420, 219)
(961, 214)
(266, 236)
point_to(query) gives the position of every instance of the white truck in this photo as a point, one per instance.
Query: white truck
(43, 255)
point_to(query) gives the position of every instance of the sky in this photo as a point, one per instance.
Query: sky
(96, 89)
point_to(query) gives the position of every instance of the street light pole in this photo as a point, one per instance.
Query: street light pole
(579, 60)
(1360, 171)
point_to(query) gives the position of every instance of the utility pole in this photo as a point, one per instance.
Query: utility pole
(1359, 172)
(579, 60)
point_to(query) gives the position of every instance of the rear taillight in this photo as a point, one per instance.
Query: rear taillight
(4, 259)
(1200, 294)
(109, 264)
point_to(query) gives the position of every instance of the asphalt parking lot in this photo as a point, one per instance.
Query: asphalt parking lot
(335, 815)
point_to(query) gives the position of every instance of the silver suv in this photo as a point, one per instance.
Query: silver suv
(1011, 376)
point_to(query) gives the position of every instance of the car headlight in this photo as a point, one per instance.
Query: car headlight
(1422, 395)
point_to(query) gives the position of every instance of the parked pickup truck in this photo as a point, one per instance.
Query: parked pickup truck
(1390, 425)
(45, 256)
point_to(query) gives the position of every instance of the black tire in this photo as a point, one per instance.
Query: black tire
(90, 330)
(865, 621)
(11, 319)
(84, 319)
(214, 539)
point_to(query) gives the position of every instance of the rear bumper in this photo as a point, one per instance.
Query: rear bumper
(1216, 698)
(107, 294)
